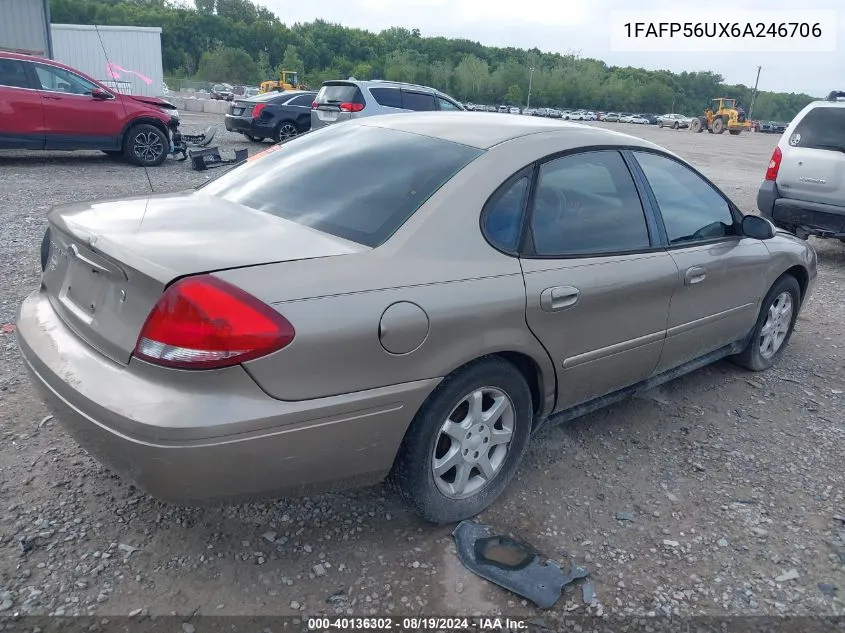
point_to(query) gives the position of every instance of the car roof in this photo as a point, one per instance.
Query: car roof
(387, 83)
(483, 131)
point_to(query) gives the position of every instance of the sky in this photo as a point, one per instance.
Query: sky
(584, 27)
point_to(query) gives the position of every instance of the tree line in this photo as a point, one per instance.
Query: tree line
(238, 41)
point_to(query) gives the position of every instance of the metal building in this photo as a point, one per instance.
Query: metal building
(127, 58)
(24, 26)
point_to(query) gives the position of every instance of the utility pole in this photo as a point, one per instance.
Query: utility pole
(530, 79)
(754, 94)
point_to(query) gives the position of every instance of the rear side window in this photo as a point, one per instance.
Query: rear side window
(357, 182)
(13, 74)
(335, 94)
(821, 128)
(419, 101)
(302, 100)
(502, 216)
(387, 97)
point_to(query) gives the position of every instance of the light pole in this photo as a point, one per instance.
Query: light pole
(530, 78)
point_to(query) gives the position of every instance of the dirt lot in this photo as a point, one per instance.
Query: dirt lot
(694, 499)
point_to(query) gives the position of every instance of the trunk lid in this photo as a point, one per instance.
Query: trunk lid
(109, 262)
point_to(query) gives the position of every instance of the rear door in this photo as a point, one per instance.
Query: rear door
(73, 119)
(299, 108)
(21, 116)
(597, 280)
(813, 163)
(336, 101)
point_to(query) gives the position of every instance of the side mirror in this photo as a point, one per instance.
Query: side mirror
(758, 228)
(101, 95)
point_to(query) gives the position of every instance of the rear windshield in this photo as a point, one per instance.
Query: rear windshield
(357, 182)
(821, 128)
(339, 93)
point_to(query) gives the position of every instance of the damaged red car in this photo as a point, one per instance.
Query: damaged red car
(50, 106)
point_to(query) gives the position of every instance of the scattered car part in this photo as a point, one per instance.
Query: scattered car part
(511, 564)
(209, 158)
(203, 138)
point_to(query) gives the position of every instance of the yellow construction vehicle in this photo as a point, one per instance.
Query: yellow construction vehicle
(722, 114)
(288, 80)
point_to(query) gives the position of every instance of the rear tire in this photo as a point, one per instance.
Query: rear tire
(696, 126)
(146, 145)
(774, 326)
(284, 131)
(449, 430)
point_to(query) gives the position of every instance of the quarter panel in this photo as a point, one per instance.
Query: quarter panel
(337, 347)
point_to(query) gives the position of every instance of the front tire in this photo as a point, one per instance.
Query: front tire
(774, 326)
(146, 145)
(465, 443)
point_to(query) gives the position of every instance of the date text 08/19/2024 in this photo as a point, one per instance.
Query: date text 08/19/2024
(418, 623)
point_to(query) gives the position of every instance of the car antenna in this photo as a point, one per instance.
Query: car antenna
(125, 111)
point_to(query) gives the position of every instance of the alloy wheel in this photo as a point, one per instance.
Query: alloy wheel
(473, 442)
(147, 146)
(776, 327)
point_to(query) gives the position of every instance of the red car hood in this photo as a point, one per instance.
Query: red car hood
(156, 101)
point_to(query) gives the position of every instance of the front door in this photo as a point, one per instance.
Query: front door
(718, 290)
(73, 119)
(598, 283)
(21, 118)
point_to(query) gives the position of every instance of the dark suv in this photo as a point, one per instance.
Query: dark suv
(47, 105)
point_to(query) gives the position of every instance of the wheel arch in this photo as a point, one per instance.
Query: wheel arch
(148, 120)
(801, 276)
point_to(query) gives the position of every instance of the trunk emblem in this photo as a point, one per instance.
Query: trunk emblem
(815, 181)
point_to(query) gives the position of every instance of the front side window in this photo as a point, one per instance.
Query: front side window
(445, 104)
(60, 80)
(692, 209)
(587, 204)
(357, 182)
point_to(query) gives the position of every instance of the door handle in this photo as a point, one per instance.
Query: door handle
(558, 298)
(694, 275)
(52, 98)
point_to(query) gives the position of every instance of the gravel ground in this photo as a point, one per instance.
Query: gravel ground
(719, 493)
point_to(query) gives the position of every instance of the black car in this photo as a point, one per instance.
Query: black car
(275, 115)
(222, 92)
(651, 118)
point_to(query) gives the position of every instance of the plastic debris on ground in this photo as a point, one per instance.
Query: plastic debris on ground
(512, 564)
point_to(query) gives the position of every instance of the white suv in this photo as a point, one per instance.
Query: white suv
(804, 188)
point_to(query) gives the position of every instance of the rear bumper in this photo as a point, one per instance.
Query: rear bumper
(812, 218)
(212, 435)
(237, 124)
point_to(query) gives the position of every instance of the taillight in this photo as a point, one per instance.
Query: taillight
(256, 111)
(351, 107)
(204, 323)
(314, 105)
(774, 164)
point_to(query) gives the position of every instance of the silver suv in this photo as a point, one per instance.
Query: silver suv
(342, 100)
(804, 189)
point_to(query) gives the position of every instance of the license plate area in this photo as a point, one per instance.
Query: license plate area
(83, 289)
